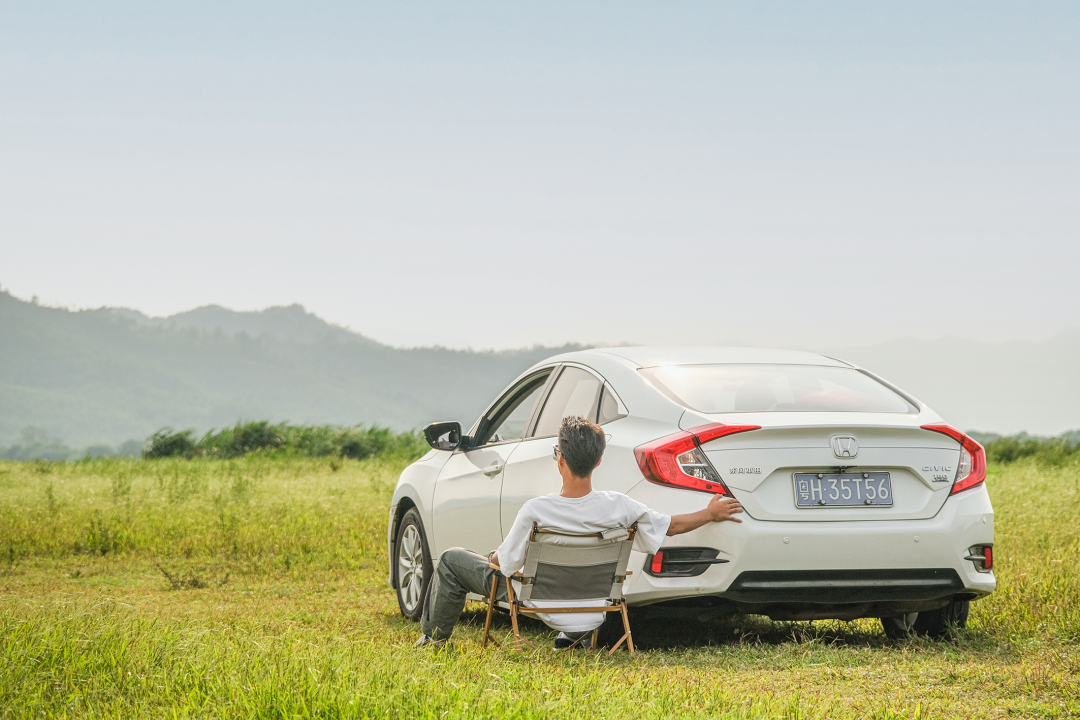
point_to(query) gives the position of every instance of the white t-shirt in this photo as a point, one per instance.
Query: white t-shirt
(599, 510)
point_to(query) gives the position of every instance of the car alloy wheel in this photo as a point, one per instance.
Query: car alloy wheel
(413, 566)
(410, 568)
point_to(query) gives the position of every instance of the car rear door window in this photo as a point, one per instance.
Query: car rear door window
(508, 419)
(576, 392)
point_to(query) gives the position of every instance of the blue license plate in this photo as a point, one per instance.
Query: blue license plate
(843, 489)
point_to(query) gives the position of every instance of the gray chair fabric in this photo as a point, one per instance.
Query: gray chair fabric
(563, 566)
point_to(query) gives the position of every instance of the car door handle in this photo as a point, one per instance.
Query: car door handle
(494, 468)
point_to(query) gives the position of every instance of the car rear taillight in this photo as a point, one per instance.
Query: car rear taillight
(678, 460)
(972, 468)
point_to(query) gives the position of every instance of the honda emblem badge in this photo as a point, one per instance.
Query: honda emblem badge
(845, 446)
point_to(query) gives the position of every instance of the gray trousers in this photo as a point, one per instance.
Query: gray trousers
(460, 572)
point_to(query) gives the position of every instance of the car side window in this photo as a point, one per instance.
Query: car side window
(507, 420)
(609, 407)
(576, 392)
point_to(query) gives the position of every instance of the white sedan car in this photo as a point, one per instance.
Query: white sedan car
(859, 501)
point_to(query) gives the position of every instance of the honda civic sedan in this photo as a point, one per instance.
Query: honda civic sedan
(860, 501)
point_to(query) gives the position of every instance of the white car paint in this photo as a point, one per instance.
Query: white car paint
(470, 498)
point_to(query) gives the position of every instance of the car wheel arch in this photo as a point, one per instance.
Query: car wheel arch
(404, 504)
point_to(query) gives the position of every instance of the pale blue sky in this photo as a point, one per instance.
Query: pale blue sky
(503, 174)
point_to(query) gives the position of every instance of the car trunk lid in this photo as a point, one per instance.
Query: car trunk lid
(760, 466)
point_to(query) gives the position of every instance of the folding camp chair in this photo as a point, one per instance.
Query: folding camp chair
(567, 567)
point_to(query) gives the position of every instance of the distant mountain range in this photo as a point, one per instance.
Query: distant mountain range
(110, 375)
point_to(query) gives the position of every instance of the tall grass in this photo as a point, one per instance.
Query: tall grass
(277, 606)
(260, 514)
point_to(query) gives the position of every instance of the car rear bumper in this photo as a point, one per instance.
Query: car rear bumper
(844, 586)
(802, 570)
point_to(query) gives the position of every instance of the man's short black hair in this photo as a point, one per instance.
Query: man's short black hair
(582, 444)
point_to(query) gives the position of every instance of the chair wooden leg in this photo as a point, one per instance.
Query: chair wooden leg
(578, 641)
(626, 636)
(518, 639)
(514, 622)
(626, 624)
(490, 612)
(513, 614)
(595, 639)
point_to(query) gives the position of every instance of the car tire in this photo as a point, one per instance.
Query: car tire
(412, 565)
(934, 624)
(899, 628)
(937, 624)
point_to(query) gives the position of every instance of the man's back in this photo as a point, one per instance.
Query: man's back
(597, 511)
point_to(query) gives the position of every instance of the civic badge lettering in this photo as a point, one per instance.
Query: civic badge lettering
(745, 471)
(938, 473)
(845, 446)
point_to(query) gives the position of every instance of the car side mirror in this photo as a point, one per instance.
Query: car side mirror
(443, 435)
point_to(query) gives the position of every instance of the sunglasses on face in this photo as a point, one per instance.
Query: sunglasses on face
(555, 452)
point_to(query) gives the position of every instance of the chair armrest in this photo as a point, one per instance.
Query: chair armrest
(493, 566)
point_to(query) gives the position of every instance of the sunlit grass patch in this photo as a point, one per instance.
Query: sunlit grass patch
(278, 607)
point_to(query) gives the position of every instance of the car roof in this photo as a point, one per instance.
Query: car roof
(656, 356)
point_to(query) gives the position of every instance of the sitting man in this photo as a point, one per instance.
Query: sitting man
(577, 509)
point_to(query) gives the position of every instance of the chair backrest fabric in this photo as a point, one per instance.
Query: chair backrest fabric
(576, 567)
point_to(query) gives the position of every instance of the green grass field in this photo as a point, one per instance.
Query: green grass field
(256, 587)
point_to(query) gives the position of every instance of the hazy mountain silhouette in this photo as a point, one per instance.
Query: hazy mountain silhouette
(108, 375)
(292, 323)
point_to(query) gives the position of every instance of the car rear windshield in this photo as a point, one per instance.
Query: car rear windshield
(775, 388)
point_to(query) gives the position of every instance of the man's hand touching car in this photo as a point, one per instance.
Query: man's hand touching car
(719, 509)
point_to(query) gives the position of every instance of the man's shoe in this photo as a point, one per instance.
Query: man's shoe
(425, 640)
(563, 641)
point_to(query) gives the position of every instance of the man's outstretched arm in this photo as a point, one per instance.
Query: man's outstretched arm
(716, 511)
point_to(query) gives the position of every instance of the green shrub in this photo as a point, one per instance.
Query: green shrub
(1055, 451)
(355, 442)
(243, 438)
(167, 443)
